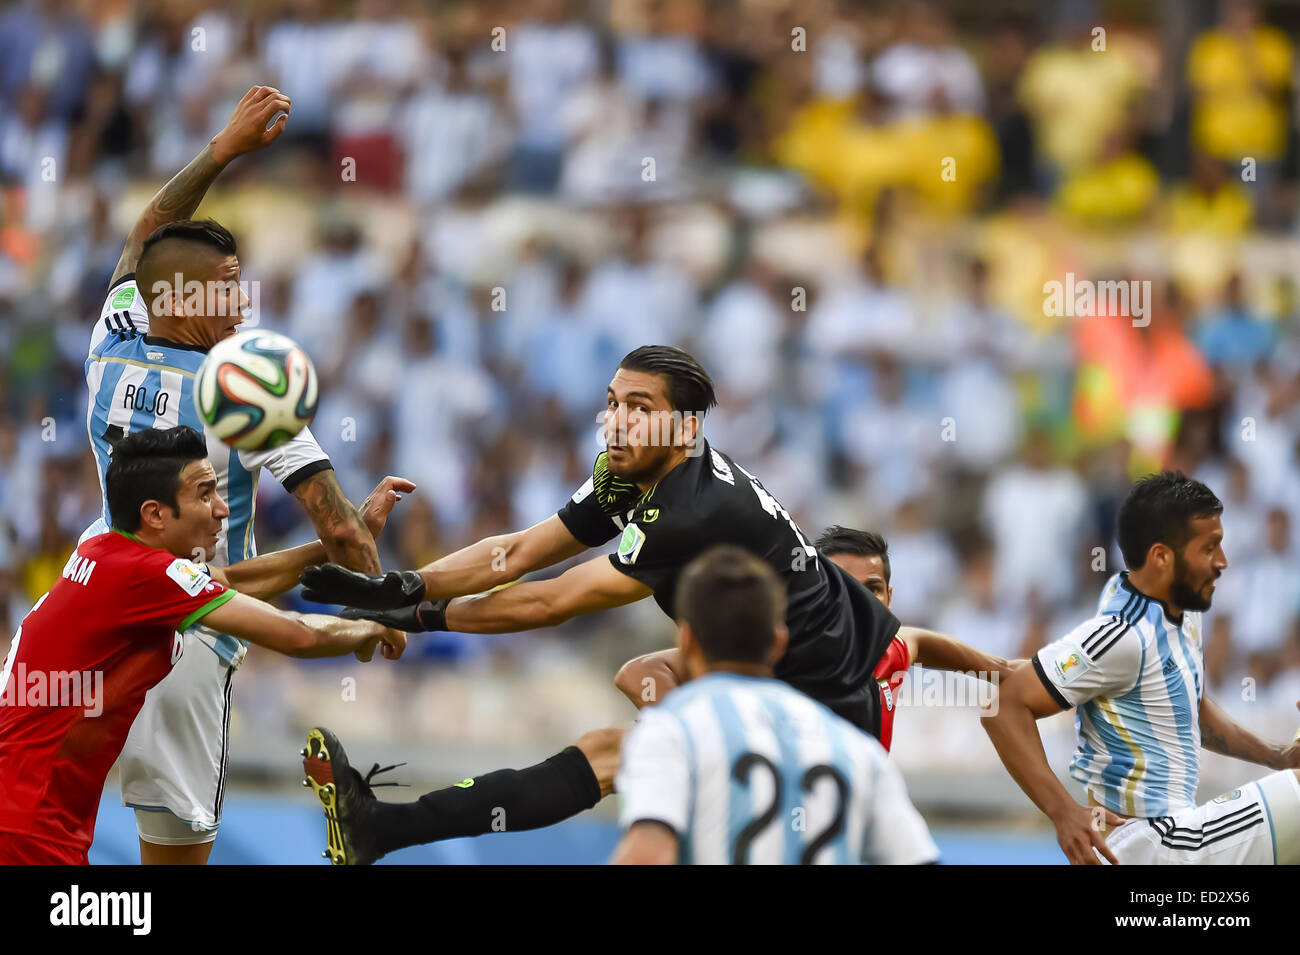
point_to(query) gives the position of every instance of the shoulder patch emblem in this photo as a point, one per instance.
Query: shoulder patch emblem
(189, 576)
(629, 546)
(124, 297)
(1069, 665)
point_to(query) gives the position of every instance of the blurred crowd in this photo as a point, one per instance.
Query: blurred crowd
(847, 211)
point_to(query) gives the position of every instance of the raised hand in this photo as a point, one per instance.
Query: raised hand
(247, 129)
(381, 501)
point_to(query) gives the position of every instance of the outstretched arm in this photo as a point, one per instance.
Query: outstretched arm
(1220, 733)
(492, 562)
(301, 635)
(177, 200)
(1011, 722)
(498, 560)
(269, 575)
(587, 588)
(939, 651)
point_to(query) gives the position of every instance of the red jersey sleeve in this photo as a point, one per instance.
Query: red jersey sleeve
(894, 663)
(174, 592)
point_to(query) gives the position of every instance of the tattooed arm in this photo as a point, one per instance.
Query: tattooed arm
(1220, 733)
(177, 200)
(340, 528)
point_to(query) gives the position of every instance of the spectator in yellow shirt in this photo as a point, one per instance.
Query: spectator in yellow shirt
(1240, 73)
(1118, 190)
(1077, 96)
(1211, 201)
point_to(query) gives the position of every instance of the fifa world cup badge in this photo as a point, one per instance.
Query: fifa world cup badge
(1070, 664)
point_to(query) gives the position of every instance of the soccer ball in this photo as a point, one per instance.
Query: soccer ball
(256, 391)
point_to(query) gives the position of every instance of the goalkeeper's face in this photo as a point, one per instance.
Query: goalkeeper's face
(642, 429)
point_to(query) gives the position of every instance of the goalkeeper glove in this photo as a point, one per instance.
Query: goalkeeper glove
(332, 584)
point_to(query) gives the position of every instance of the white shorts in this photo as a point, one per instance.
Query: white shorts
(175, 756)
(1258, 824)
(160, 827)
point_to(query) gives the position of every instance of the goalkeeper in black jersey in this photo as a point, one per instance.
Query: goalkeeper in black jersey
(667, 495)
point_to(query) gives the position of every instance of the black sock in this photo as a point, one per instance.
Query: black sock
(501, 801)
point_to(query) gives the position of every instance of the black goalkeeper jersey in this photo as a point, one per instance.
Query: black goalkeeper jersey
(838, 629)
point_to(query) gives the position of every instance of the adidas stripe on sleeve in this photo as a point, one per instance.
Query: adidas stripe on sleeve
(1100, 657)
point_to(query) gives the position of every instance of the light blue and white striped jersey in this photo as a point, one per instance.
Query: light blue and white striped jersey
(750, 771)
(137, 381)
(1136, 678)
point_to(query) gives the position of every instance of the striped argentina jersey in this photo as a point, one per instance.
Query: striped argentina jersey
(750, 771)
(1136, 679)
(137, 381)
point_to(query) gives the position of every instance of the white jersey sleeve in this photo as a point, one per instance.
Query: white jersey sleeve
(895, 834)
(653, 779)
(124, 313)
(1100, 657)
(292, 462)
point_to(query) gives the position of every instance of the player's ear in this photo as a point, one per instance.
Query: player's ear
(167, 299)
(690, 431)
(1161, 556)
(686, 639)
(780, 640)
(151, 515)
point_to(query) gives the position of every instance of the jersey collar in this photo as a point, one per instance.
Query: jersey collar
(127, 534)
(1169, 614)
(168, 343)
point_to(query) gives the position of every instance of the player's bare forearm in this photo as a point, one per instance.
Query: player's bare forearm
(587, 588)
(499, 560)
(340, 527)
(247, 130)
(269, 575)
(334, 637)
(524, 606)
(175, 201)
(941, 652)
(1220, 733)
(1013, 730)
(301, 635)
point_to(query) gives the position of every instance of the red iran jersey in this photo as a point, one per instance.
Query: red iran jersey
(889, 675)
(77, 673)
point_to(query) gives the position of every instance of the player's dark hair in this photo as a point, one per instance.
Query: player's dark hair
(690, 389)
(849, 540)
(146, 466)
(733, 602)
(1159, 510)
(204, 232)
